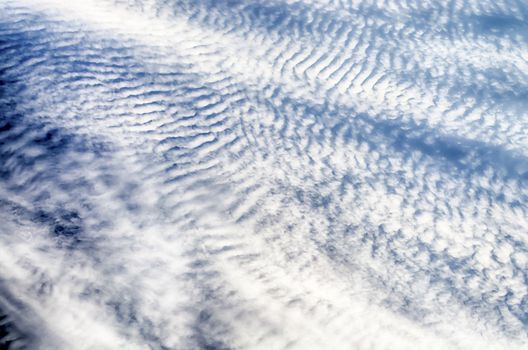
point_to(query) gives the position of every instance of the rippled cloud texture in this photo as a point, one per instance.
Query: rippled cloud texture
(263, 174)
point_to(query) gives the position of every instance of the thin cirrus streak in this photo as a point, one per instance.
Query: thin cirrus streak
(281, 174)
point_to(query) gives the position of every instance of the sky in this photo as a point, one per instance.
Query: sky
(263, 174)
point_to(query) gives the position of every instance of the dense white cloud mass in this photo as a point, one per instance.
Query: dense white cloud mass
(263, 174)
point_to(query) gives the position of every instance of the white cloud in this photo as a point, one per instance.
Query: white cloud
(313, 174)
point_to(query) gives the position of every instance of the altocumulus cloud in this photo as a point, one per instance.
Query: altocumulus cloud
(263, 174)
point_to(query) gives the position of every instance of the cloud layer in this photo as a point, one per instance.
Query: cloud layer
(263, 174)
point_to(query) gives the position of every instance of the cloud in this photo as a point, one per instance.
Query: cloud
(263, 174)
